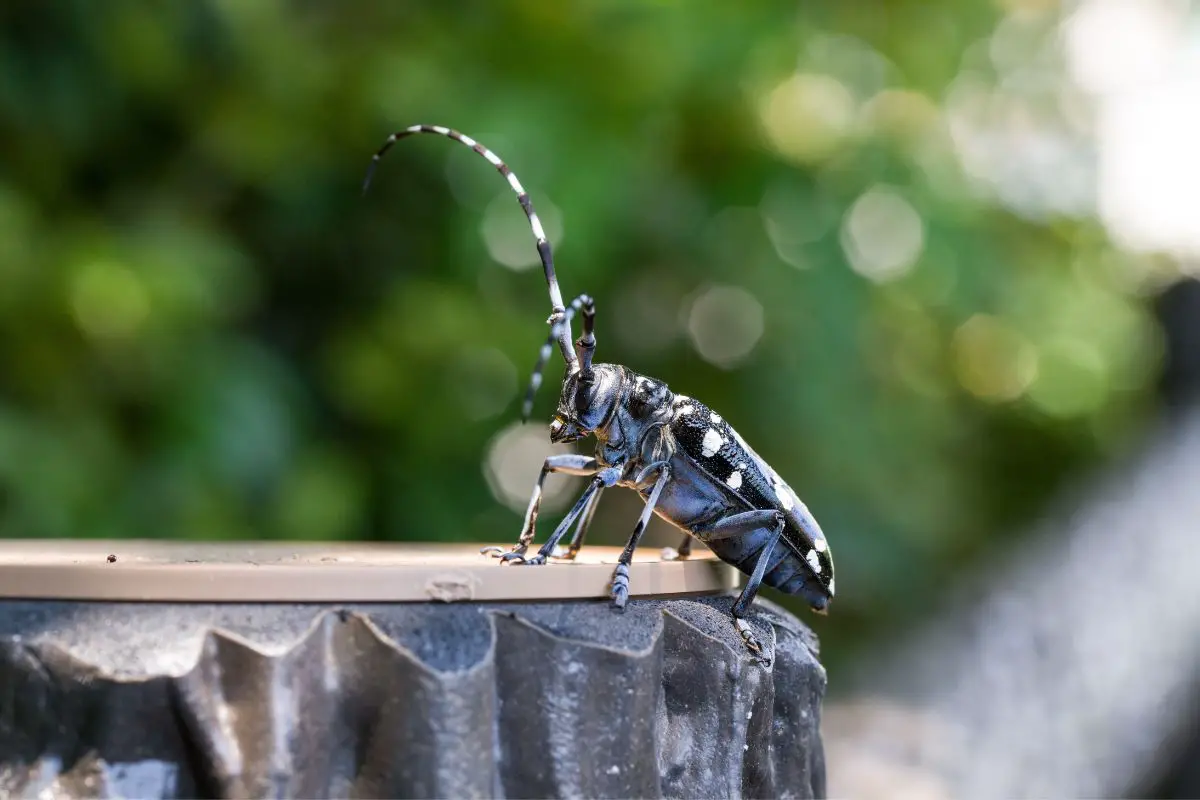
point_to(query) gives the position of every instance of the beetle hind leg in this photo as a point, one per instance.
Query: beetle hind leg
(744, 600)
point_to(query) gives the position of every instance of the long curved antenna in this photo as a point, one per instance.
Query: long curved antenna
(583, 302)
(559, 321)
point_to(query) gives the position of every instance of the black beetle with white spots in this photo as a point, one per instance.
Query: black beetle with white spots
(690, 465)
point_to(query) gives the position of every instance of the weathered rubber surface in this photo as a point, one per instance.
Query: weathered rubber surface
(417, 700)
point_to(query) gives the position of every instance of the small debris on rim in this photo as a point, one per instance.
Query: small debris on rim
(112, 559)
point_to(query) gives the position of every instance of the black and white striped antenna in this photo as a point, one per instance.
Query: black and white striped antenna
(559, 320)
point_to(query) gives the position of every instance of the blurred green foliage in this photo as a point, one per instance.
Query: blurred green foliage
(206, 332)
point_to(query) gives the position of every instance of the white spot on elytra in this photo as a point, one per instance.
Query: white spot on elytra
(712, 443)
(735, 480)
(716, 418)
(820, 545)
(831, 593)
(685, 410)
(614, 770)
(813, 561)
(782, 492)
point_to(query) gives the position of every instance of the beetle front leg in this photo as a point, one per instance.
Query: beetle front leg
(620, 581)
(603, 479)
(581, 529)
(567, 464)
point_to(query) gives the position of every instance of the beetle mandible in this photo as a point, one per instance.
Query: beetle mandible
(690, 465)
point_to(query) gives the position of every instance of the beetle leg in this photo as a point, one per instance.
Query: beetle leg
(581, 530)
(741, 524)
(760, 568)
(750, 590)
(679, 553)
(620, 581)
(568, 464)
(603, 479)
(685, 547)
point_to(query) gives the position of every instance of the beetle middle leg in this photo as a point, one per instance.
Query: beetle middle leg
(620, 581)
(567, 464)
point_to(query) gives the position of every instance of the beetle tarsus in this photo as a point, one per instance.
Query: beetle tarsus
(751, 642)
(514, 556)
(620, 587)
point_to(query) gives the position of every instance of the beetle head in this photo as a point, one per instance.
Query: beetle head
(585, 406)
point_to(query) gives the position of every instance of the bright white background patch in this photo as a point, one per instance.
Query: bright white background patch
(725, 323)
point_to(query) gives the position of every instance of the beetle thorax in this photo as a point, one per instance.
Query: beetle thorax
(635, 432)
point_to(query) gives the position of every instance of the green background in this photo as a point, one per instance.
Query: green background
(206, 332)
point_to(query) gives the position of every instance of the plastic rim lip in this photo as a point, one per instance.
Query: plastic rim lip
(308, 572)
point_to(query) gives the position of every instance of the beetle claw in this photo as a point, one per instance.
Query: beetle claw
(514, 556)
(751, 642)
